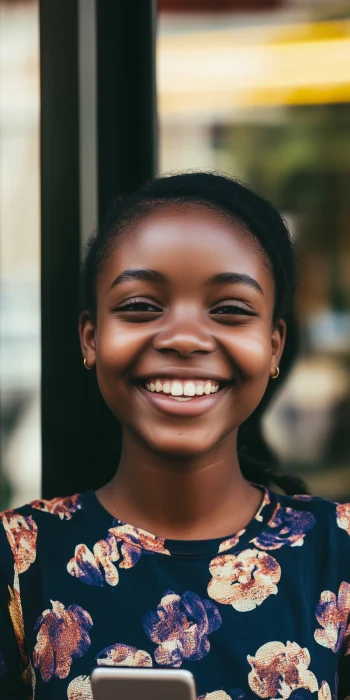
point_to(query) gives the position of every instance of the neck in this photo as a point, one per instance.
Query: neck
(199, 497)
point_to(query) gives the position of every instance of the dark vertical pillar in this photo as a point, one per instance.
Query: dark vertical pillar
(75, 451)
(127, 128)
(60, 244)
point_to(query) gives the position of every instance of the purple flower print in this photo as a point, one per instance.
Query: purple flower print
(123, 655)
(62, 636)
(286, 527)
(64, 508)
(124, 544)
(180, 626)
(234, 694)
(332, 613)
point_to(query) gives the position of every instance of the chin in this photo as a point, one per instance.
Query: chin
(182, 445)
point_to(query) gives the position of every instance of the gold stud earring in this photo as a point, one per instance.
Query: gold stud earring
(85, 364)
(277, 372)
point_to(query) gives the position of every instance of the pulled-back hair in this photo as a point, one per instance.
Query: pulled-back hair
(258, 462)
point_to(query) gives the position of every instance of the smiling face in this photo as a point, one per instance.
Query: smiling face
(184, 342)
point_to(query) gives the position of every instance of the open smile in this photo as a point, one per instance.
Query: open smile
(183, 397)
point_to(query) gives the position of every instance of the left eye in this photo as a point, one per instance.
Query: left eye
(231, 309)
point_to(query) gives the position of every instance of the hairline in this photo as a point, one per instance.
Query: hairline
(145, 208)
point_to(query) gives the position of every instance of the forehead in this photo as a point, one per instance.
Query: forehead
(190, 240)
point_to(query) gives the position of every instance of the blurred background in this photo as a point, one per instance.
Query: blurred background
(256, 89)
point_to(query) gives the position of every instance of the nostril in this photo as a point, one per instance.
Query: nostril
(194, 340)
(182, 351)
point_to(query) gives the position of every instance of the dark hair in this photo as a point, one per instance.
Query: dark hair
(258, 462)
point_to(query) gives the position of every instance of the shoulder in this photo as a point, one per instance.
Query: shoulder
(325, 511)
(62, 507)
(19, 527)
(327, 521)
(312, 533)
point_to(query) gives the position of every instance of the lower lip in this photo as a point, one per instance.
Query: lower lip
(195, 407)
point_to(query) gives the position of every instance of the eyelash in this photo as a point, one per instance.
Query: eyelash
(138, 303)
(154, 308)
(242, 310)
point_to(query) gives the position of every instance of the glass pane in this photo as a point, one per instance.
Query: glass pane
(19, 254)
(265, 96)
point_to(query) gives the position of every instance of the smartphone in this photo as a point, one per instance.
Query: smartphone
(142, 684)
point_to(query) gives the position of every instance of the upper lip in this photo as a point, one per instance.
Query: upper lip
(178, 373)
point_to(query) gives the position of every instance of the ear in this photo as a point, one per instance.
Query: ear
(278, 340)
(87, 339)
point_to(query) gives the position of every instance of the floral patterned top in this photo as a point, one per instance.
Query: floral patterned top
(261, 614)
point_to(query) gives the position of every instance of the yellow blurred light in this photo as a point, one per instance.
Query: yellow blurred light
(217, 72)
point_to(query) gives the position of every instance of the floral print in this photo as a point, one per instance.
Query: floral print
(87, 565)
(215, 695)
(80, 589)
(287, 527)
(135, 541)
(324, 692)
(343, 517)
(21, 533)
(80, 689)
(123, 655)
(230, 543)
(278, 670)
(62, 636)
(332, 613)
(265, 502)
(63, 507)
(16, 615)
(346, 641)
(235, 694)
(243, 580)
(180, 626)
(304, 497)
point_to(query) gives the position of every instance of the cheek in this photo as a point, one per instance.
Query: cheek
(117, 347)
(250, 351)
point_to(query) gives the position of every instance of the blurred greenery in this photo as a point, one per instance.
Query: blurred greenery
(298, 158)
(301, 163)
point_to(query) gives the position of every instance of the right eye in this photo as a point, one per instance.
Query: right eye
(138, 306)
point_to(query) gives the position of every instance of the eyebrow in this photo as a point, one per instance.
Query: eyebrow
(140, 275)
(236, 278)
(147, 275)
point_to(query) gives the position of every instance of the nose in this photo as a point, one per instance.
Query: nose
(184, 335)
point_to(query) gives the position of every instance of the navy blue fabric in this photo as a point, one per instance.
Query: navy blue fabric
(263, 613)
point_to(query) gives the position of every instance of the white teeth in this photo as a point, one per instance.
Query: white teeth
(176, 389)
(189, 389)
(183, 390)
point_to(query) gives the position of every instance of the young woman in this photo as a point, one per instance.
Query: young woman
(185, 559)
